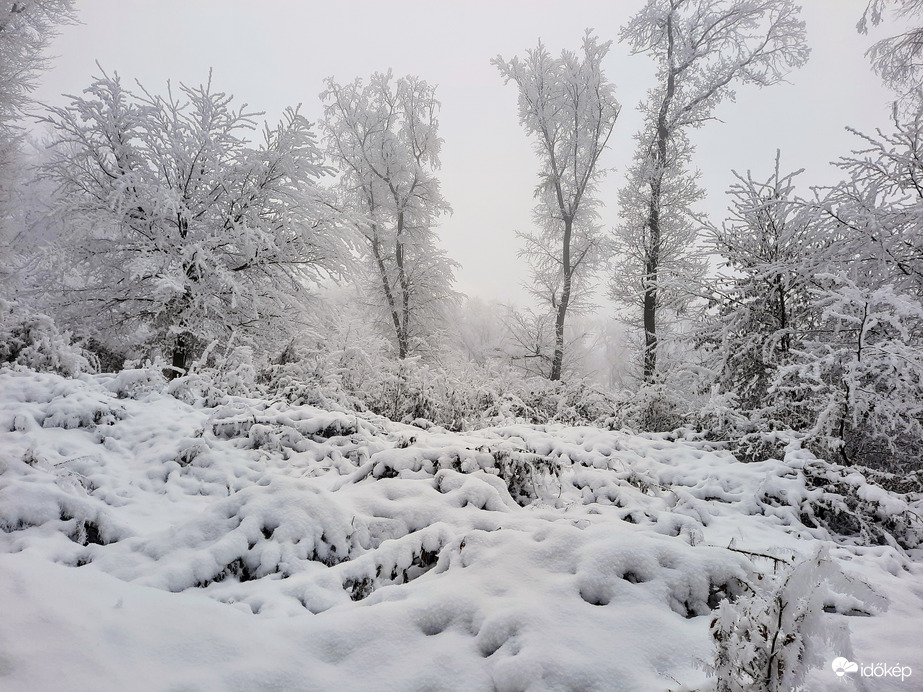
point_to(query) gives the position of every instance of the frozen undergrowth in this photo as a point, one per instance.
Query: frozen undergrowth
(544, 557)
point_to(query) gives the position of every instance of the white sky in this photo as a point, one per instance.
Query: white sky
(275, 53)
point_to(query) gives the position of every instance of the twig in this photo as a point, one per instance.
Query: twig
(751, 553)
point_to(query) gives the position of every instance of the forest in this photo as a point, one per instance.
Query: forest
(248, 419)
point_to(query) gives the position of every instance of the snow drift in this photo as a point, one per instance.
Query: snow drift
(156, 539)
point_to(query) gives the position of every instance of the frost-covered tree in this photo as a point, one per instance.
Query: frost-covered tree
(897, 59)
(860, 378)
(177, 231)
(676, 260)
(880, 204)
(854, 380)
(818, 321)
(771, 247)
(703, 49)
(568, 107)
(26, 27)
(384, 138)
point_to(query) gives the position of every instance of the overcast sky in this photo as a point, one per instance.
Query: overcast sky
(275, 53)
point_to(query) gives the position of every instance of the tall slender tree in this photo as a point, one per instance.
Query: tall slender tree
(671, 253)
(384, 137)
(568, 107)
(703, 49)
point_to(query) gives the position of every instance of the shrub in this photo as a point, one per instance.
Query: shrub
(770, 637)
(31, 339)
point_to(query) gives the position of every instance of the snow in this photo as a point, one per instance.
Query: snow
(165, 537)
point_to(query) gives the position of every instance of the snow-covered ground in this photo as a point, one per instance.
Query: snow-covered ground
(161, 537)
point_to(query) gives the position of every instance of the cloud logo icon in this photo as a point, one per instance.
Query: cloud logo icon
(841, 666)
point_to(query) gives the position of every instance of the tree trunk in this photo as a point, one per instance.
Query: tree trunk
(404, 335)
(389, 295)
(650, 293)
(786, 342)
(848, 389)
(558, 360)
(179, 358)
(652, 263)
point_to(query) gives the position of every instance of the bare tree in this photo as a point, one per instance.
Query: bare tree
(568, 106)
(384, 137)
(703, 48)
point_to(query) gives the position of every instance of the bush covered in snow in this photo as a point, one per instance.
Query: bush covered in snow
(861, 390)
(31, 339)
(455, 396)
(652, 408)
(769, 638)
